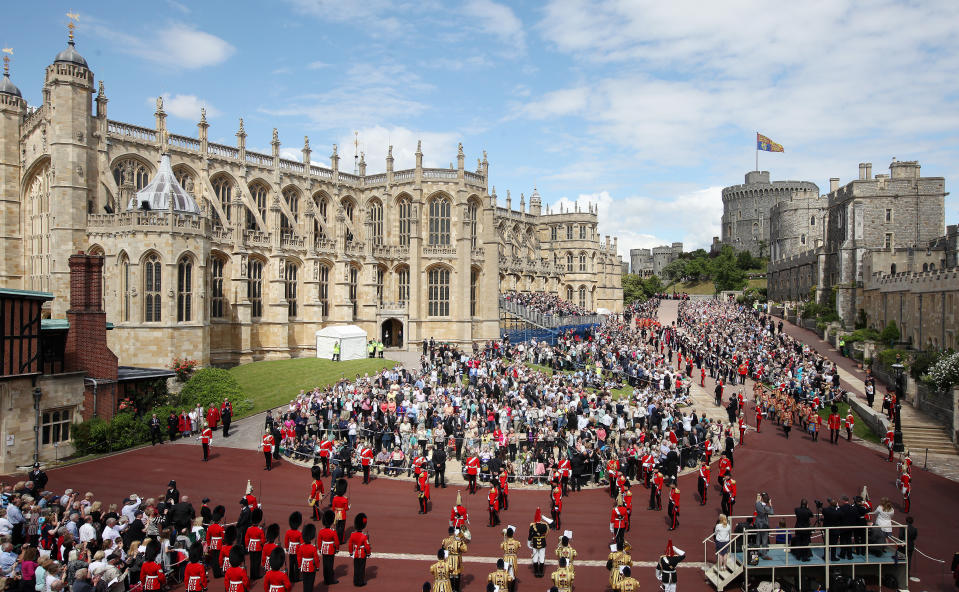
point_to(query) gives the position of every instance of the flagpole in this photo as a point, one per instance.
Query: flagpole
(757, 151)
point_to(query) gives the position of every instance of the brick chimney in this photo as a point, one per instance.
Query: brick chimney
(86, 347)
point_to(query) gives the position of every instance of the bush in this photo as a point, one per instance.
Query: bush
(945, 372)
(890, 334)
(91, 436)
(923, 361)
(97, 436)
(888, 357)
(127, 430)
(210, 386)
(866, 334)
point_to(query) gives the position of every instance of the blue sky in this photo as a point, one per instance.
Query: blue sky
(646, 108)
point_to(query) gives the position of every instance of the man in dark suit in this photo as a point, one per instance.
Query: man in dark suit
(439, 467)
(850, 517)
(832, 517)
(182, 514)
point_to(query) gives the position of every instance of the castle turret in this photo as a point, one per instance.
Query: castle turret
(12, 110)
(535, 203)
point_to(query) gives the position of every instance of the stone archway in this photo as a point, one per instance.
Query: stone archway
(391, 333)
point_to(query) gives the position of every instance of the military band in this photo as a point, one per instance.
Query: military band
(317, 491)
(536, 541)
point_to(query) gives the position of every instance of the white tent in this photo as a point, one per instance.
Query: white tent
(351, 338)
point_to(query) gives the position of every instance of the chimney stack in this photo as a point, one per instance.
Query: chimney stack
(868, 171)
(833, 184)
(862, 171)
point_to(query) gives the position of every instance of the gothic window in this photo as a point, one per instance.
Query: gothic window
(379, 272)
(406, 217)
(321, 207)
(184, 291)
(812, 221)
(217, 299)
(376, 217)
(569, 262)
(438, 292)
(254, 287)
(125, 288)
(582, 232)
(151, 289)
(353, 278)
(37, 220)
(439, 221)
(224, 194)
(888, 214)
(348, 210)
(569, 232)
(582, 262)
(184, 178)
(292, 198)
(403, 285)
(471, 214)
(132, 171)
(553, 231)
(582, 297)
(569, 293)
(258, 193)
(290, 271)
(474, 290)
(324, 288)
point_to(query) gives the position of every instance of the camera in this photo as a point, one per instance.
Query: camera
(818, 504)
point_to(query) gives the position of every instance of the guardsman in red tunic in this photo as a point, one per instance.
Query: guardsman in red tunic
(340, 505)
(329, 543)
(905, 484)
(317, 491)
(326, 450)
(649, 461)
(628, 502)
(834, 426)
(673, 509)
(214, 539)
(254, 543)
(226, 547)
(272, 535)
(359, 548)
(656, 492)
(504, 490)
(618, 521)
(267, 447)
(152, 578)
(366, 461)
(702, 377)
(703, 484)
(556, 477)
(724, 468)
(276, 579)
(194, 574)
(307, 559)
(493, 501)
(709, 450)
(472, 470)
(612, 469)
(850, 423)
(423, 486)
(759, 417)
(458, 515)
(729, 496)
(235, 578)
(889, 440)
(556, 507)
(292, 541)
(206, 438)
(742, 427)
(566, 470)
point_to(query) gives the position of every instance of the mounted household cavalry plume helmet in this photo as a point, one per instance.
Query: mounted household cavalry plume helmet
(359, 523)
(249, 487)
(459, 498)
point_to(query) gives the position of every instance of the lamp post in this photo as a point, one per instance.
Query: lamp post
(897, 445)
(37, 395)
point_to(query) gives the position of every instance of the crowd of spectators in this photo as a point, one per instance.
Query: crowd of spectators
(547, 304)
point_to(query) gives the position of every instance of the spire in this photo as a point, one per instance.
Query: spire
(202, 114)
(6, 85)
(419, 154)
(74, 17)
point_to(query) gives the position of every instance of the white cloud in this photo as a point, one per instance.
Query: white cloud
(439, 148)
(497, 20)
(317, 65)
(378, 16)
(641, 222)
(185, 106)
(175, 45)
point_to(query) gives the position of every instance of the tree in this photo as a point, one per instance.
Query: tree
(745, 260)
(890, 334)
(726, 274)
(675, 271)
(633, 289)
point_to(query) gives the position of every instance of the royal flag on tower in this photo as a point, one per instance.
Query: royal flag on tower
(764, 143)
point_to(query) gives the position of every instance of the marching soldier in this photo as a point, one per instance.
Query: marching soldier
(292, 541)
(628, 583)
(656, 492)
(152, 578)
(673, 509)
(317, 491)
(423, 487)
(326, 450)
(729, 496)
(834, 425)
(703, 484)
(725, 466)
(501, 577)
(194, 574)
(340, 505)
(214, 539)
(556, 506)
(627, 494)
(206, 438)
(472, 471)
(504, 490)
(536, 541)
(562, 577)
(235, 579)
(226, 547)
(267, 447)
(667, 566)
(759, 417)
(272, 535)
(493, 506)
(307, 558)
(458, 515)
(612, 470)
(850, 424)
(329, 543)
(905, 484)
(254, 543)
(618, 521)
(276, 579)
(510, 547)
(454, 547)
(441, 573)
(359, 548)
(566, 469)
(564, 551)
(616, 560)
(742, 427)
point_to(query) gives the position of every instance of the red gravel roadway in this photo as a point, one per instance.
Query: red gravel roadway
(787, 469)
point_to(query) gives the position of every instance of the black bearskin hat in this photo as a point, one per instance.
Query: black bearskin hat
(229, 535)
(317, 472)
(277, 559)
(328, 518)
(273, 532)
(256, 516)
(236, 556)
(359, 523)
(296, 520)
(340, 488)
(309, 533)
(218, 513)
(196, 552)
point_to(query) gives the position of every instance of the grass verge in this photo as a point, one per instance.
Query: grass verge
(860, 429)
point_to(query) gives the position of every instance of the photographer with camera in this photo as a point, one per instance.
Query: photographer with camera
(764, 509)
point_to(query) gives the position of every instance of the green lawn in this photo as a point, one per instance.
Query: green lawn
(619, 393)
(274, 383)
(707, 286)
(860, 429)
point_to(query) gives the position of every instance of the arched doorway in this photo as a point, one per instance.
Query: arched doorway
(391, 333)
